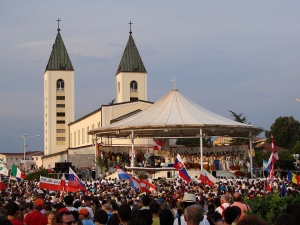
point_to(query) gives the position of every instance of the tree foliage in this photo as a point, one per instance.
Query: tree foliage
(239, 117)
(191, 142)
(286, 132)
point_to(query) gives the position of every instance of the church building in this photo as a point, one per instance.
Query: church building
(67, 139)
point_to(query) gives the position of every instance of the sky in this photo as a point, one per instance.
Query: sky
(242, 56)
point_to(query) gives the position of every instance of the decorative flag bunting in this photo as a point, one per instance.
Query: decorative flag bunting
(207, 178)
(122, 174)
(178, 165)
(157, 145)
(16, 172)
(74, 181)
(145, 186)
(272, 160)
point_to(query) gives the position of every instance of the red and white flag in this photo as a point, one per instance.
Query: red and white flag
(272, 160)
(207, 178)
(145, 186)
(63, 186)
(157, 145)
(50, 183)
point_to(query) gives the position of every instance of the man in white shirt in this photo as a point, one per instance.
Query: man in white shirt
(188, 200)
(225, 202)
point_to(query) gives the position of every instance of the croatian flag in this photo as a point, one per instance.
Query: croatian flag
(74, 181)
(122, 174)
(178, 165)
(272, 160)
(265, 165)
(145, 186)
(157, 145)
(135, 184)
(207, 178)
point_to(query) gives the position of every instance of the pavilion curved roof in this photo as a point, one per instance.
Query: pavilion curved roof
(176, 116)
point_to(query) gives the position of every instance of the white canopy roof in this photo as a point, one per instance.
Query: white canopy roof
(176, 116)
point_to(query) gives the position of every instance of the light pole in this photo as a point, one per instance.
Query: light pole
(24, 136)
(296, 157)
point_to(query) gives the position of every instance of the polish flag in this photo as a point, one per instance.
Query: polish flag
(145, 186)
(207, 178)
(157, 145)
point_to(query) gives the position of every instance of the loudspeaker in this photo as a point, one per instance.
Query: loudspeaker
(168, 174)
(214, 173)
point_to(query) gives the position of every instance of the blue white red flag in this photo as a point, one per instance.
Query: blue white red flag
(74, 181)
(178, 165)
(135, 184)
(122, 174)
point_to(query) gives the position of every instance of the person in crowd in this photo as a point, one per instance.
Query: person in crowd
(231, 215)
(36, 217)
(189, 199)
(193, 214)
(4, 220)
(252, 220)
(65, 218)
(225, 202)
(285, 219)
(87, 201)
(108, 209)
(84, 217)
(237, 201)
(154, 208)
(11, 210)
(124, 213)
(145, 212)
(216, 218)
(51, 218)
(69, 203)
(166, 217)
(100, 217)
(294, 211)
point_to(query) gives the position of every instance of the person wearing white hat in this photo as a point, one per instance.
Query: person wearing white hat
(188, 200)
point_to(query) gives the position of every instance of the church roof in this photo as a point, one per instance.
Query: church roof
(175, 115)
(59, 58)
(131, 60)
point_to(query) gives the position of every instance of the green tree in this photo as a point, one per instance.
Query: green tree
(239, 117)
(191, 142)
(286, 132)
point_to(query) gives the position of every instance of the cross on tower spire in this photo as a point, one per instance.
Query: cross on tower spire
(58, 29)
(174, 82)
(130, 32)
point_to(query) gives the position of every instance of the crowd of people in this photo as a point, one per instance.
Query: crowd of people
(113, 201)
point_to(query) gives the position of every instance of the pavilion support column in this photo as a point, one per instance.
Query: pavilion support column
(250, 155)
(201, 148)
(132, 149)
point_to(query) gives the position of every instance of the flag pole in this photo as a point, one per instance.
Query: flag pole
(201, 148)
(251, 161)
(132, 149)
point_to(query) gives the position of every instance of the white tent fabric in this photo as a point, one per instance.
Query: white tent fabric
(177, 115)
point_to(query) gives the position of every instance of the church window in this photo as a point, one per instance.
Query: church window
(87, 135)
(60, 122)
(60, 105)
(83, 135)
(119, 87)
(133, 86)
(60, 85)
(60, 97)
(60, 114)
(78, 137)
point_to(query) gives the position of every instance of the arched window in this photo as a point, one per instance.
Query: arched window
(60, 85)
(133, 86)
(119, 87)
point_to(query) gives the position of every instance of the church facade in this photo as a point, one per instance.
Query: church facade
(67, 139)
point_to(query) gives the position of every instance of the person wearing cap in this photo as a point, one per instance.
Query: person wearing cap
(87, 204)
(84, 217)
(188, 200)
(36, 217)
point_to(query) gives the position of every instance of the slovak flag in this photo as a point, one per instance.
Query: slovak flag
(178, 165)
(145, 186)
(207, 178)
(74, 181)
(135, 184)
(122, 174)
(157, 145)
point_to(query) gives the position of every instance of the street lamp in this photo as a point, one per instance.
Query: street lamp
(296, 157)
(24, 136)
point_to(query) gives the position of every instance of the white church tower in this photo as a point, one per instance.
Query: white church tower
(58, 98)
(131, 75)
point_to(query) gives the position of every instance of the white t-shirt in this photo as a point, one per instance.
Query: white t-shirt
(183, 222)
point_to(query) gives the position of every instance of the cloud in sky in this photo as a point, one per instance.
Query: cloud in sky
(226, 55)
